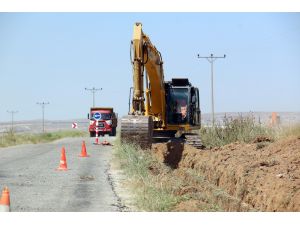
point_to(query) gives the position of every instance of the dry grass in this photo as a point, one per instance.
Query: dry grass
(153, 187)
(242, 129)
(288, 131)
(157, 187)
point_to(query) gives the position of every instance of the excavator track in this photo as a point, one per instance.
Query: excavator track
(138, 130)
(194, 140)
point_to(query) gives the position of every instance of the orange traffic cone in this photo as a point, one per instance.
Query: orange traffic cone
(5, 201)
(63, 161)
(83, 150)
(96, 141)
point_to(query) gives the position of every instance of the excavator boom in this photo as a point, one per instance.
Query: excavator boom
(138, 125)
(146, 56)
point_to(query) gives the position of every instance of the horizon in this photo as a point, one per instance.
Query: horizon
(202, 114)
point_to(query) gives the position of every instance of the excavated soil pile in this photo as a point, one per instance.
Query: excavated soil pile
(261, 176)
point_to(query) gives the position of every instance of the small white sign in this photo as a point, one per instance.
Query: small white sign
(74, 125)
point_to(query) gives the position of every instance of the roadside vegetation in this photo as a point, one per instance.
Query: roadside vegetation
(242, 129)
(11, 138)
(149, 179)
(290, 131)
(158, 187)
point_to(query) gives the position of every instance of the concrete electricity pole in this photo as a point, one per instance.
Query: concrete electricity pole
(211, 60)
(43, 110)
(93, 90)
(12, 119)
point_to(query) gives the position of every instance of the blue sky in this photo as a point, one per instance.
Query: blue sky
(54, 56)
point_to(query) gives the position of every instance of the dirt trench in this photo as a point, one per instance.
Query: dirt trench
(261, 176)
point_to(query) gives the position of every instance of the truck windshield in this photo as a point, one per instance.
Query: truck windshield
(104, 116)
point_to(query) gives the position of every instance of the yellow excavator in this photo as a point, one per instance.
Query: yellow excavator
(160, 109)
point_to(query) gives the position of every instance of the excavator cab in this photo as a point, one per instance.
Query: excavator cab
(182, 103)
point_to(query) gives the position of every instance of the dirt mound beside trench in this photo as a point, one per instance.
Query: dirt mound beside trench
(260, 176)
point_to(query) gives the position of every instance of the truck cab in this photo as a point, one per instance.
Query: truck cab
(106, 124)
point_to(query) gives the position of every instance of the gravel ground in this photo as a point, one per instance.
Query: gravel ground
(30, 173)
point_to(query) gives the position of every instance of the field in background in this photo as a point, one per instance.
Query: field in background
(35, 126)
(30, 132)
(10, 138)
(263, 118)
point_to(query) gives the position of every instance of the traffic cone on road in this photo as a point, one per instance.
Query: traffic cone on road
(96, 141)
(63, 160)
(5, 201)
(83, 150)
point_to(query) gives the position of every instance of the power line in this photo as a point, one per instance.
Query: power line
(43, 111)
(12, 118)
(211, 60)
(93, 90)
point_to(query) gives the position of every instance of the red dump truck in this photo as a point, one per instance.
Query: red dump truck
(107, 121)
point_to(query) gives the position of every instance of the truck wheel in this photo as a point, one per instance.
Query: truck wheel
(113, 132)
(92, 134)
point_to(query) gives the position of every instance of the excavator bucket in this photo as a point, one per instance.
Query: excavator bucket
(137, 130)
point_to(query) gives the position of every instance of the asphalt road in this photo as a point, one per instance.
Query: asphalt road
(35, 185)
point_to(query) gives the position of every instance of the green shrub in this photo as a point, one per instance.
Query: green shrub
(242, 129)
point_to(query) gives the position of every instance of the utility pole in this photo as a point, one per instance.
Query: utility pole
(12, 119)
(43, 111)
(93, 90)
(211, 60)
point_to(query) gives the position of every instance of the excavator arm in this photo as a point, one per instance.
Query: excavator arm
(148, 109)
(147, 57)
(138, 105)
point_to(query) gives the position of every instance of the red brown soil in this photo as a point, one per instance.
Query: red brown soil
(261, 176)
